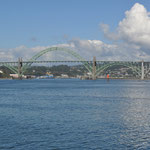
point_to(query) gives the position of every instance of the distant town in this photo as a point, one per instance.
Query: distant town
(65, 71)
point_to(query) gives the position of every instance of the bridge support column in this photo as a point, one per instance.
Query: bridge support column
(20, 68)
(142, 70)
(94, 68)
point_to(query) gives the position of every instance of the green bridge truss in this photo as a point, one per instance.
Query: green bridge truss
(11, 67)
(68, 51)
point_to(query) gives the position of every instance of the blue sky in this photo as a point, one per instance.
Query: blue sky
(46, 22)
(108, 29)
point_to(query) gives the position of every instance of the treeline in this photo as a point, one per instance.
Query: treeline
(42, 70)
(56, 70)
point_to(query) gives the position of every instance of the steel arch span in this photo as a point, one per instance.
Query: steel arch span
(66, 50)
(134, 68)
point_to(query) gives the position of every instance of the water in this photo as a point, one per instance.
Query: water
(61, 114)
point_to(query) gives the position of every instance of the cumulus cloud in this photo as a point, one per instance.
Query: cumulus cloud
(85, 48)
(103, 51)
(134, 29)
(107, 33)
(12, 54)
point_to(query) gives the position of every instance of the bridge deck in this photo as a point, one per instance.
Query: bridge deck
(69, 61)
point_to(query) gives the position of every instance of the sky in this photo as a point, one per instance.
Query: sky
(107, 29)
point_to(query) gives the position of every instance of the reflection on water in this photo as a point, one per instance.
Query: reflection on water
(136, 117)
(74, 114)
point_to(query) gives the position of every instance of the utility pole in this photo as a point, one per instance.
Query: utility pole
(20, 68)
(94, 69)
(142, 70)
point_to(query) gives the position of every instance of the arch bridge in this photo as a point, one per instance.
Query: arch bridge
(95, 67)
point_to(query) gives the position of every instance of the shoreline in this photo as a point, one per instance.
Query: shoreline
(80, 79)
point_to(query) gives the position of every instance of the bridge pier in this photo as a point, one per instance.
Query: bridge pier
(142, 70)
(94, 69)
(20, 68)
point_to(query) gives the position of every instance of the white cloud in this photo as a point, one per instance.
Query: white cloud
(103, 51)
(85, 48)
(107, 33)
(12, 54)
(134, 29)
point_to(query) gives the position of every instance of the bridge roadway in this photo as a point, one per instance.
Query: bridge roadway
(68, 61)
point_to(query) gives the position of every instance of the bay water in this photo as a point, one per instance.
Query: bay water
(73, 114)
